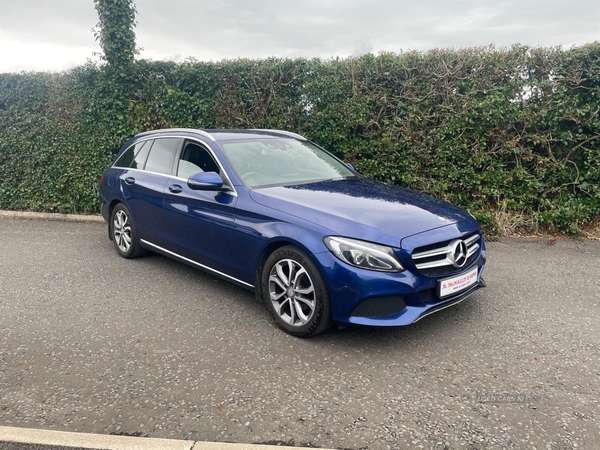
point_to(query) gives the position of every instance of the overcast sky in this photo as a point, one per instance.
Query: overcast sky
(57, 34)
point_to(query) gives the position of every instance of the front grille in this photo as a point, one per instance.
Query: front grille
(445, 270)
(380, 307)
(447, 257)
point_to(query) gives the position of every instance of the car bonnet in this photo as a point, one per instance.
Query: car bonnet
(362, 208)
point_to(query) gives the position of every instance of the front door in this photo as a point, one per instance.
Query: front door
(199, 224)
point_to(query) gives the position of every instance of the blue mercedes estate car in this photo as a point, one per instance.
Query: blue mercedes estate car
(275, 213)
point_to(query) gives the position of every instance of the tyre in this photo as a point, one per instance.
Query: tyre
(295, 293)
(124, 234)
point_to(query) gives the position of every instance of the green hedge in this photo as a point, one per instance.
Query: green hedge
(513, 134)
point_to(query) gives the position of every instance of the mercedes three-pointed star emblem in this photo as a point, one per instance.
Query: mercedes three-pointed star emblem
(458, 254)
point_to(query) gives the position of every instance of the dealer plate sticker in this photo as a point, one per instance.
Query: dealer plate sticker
(454, 285)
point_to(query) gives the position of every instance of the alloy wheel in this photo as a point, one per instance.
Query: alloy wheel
(292, 292)
(122, 231)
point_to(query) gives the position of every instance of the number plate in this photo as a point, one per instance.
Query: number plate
(454, 285)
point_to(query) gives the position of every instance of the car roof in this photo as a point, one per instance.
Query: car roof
(217, 135)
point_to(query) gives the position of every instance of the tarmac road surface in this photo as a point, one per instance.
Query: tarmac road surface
(94, 343)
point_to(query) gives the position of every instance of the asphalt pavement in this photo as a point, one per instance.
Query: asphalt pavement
(94, 343)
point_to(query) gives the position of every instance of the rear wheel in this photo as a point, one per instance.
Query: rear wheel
(295, 293)
(124, 234)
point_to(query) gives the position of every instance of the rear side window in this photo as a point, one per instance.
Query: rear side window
(140, 155)
(162, 155)
(135, 156)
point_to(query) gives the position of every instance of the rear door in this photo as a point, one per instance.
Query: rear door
(143, 186)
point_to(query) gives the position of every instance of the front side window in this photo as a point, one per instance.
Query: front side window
(195, 159)
(162, 155)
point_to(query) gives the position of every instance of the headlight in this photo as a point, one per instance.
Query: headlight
(364, 254)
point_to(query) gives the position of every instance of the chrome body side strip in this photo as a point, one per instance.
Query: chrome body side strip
(202, 266)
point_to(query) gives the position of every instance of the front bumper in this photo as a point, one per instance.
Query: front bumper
(416, 294)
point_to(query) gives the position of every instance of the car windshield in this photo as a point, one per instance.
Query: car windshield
(272, 162)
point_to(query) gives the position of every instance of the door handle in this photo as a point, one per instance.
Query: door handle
(130, 180)
(175, 188)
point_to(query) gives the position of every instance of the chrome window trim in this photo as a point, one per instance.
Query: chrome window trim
(196, 263)
(232, 192)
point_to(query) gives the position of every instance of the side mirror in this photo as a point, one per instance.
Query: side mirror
(351, 166)
(205, 181)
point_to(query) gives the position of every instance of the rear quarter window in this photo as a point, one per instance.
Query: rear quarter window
(135, 156)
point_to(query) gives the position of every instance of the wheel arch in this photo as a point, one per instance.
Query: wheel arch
(268, 249)
(111, 207)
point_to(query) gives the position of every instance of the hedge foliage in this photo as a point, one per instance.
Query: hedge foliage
(512, 134)
(116, 35)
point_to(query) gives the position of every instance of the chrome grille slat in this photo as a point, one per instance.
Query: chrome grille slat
(472, 239)
(430, 265)
(441, 260)
(428, 253)
(472, 249)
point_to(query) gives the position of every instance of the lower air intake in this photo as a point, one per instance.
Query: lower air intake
(380, 307)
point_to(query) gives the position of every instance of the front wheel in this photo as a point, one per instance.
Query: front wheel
(295, 293)
(124, 234)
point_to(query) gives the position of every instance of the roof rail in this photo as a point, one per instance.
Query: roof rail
(281, 132)
(192, 130)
